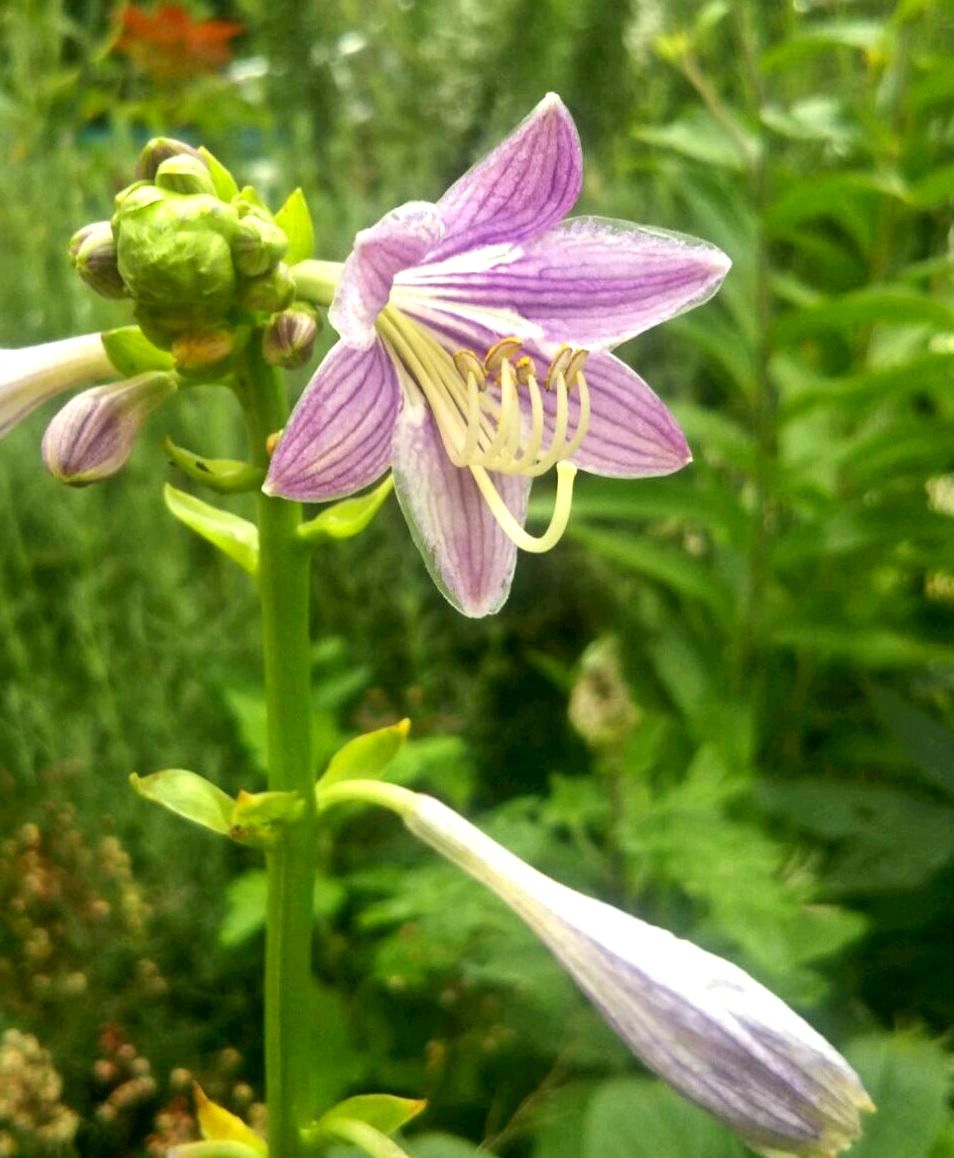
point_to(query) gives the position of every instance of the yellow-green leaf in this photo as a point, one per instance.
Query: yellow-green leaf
(367, 756)
(234, 536)
(384, 1112)
(219, 1125)
(349, 517)
(189, 795)
(294, 219)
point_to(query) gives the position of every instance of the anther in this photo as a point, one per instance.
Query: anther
(468, 364)
(559, 364)
(525, 370)
(575, 368)
(502, 351)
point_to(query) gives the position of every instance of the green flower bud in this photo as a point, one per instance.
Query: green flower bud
(93, 253)
(174, 256)
(258, 246)
(271, 293)
(160, 149)
(136, 196)
(289, 338)
(202, 349)
(185, 175)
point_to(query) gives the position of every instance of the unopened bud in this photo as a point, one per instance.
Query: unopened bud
(160, 149)
(601, 708)
(202, 348)
(185, 174)
(289, 337)
(271, 293)
(93, 253)
(135, 197)
(258, 246)
(93, 435)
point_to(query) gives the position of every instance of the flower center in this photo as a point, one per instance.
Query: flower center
(492, 415)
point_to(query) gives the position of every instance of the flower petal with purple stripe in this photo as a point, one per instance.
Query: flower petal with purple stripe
(339, 437)
(467, 554)
(528, 183)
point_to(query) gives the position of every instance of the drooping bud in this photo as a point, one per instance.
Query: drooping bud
(30, 376)
(289, 337)
(258, 246)
(270, 293)
(185, 175)
(93, 254)
(93, 435)
(701, 1023)
(160, 149)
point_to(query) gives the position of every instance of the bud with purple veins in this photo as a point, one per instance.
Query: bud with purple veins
(93, 435)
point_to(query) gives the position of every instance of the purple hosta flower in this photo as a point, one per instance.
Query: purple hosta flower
(93, 435)
(530, 304)
(30, 376)
(704, 1025)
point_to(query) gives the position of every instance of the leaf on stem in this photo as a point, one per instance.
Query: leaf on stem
(131, 352)
(219, 1125)
(366, 757)
(294, 219)
(233, 535)
(225, 475)
(187, 794)
(348, 518)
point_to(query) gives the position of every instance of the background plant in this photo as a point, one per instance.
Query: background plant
(782, 610)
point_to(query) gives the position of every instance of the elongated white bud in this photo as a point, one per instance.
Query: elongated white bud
(701, 1023)
(30, 376)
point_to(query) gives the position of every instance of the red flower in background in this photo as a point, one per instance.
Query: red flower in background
(169, 44)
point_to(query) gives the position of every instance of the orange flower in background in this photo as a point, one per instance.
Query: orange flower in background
(168, 44)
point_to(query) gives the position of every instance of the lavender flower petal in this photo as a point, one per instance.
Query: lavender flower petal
(467, 554)
(338, 438)
(528, 183)
(600, 281)
(401, 239)
(631, 432)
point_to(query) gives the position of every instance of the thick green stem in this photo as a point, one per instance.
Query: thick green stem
(284, 584)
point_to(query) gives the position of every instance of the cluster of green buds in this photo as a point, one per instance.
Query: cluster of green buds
(200, 259)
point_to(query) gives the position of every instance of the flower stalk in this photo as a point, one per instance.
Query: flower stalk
(284, 591)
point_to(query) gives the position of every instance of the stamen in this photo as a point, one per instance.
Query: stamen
(537, 544)
(500, 352)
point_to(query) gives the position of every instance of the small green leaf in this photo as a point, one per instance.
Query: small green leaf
(347, 518)
(187, 794)
(233, 535)
(367, 756)
(131, 352)
(225, 184)
(372, 1142)
(384, 1112)
(225, 475)
(294, 220)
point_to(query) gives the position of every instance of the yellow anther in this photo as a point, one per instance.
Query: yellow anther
(503, 351)
(468, 363)
(575, 368)
(559, 364)
(525, 370)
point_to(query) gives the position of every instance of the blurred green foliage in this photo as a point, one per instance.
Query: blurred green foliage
(782, 610)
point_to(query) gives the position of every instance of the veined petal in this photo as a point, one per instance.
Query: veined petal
(525, 185)
(700, 1022)
(467, 554)
(401, 239)
(590, 282)
(93, 435)
(338, 438)
(30, 376)
(631, 432)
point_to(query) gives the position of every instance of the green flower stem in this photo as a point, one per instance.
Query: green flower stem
(316, 281)
(284, 585)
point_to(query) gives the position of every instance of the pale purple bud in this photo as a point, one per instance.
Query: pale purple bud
(93, 435)
(30, 376)
(701, 1023)
(289, 337)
